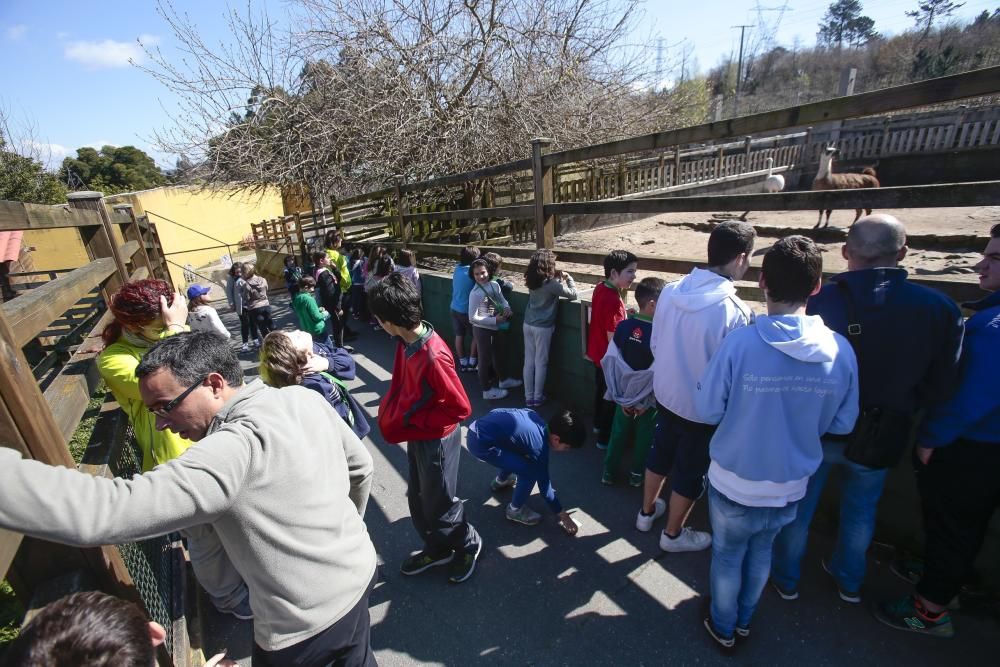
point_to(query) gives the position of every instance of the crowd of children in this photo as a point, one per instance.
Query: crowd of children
(747, 409)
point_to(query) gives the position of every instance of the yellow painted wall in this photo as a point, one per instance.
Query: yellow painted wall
(223, 214)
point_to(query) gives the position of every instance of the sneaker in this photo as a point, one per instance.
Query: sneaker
(531, 403)
(523, 514)
(540, 401)
(510, 383)
(602, 445)
(473, 365)
(784, 593)
(464, 565)
(853, 597)
(422, 560)
(635, 479)
(688, 540)
(645, 523)
(494, 394)
(743, 633)
(241, 611)
(245, 348)
(500, 484)
(903, 614)
(607, 479)
(727, 644)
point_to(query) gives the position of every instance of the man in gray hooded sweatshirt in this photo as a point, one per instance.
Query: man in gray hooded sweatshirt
(287, 507)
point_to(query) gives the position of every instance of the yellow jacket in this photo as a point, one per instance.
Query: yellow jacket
(117, 364)
(339, 260)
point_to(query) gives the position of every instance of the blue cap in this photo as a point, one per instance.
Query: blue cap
(196, 290)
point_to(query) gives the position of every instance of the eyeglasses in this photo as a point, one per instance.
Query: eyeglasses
(165, 410)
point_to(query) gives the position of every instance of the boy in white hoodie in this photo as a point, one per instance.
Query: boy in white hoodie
(693, 316)
(774, 388)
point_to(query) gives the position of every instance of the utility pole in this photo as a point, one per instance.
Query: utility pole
(739, 67)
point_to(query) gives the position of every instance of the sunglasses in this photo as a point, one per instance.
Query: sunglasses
(165, 410)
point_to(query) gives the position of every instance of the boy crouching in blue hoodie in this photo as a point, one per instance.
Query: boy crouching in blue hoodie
(774, 388)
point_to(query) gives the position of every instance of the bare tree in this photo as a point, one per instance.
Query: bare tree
(365, 89)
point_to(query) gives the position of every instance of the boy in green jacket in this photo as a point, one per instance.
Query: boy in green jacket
(312, 318)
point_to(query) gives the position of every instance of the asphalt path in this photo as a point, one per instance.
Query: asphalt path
(608, 596)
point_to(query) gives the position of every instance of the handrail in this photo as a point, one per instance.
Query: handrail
(931, 91)
(16, 216)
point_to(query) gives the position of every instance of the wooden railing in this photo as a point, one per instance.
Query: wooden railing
(38, 423)
(522, 200)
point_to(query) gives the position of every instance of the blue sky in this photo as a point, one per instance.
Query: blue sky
(66, 77)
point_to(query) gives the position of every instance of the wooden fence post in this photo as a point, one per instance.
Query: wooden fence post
(718, 161)
(405, 227)
(746, 154)
(301, 237)
(133, 233)
(621, 177)
(663, 176)
(807, 147)
(543, 182)
(99, 240)
(676, 176)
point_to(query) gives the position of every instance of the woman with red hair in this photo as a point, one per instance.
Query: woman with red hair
(146, 311)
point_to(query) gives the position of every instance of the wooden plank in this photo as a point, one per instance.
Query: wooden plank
(520, 212)
(945, 89)
(33, 311)
(458, 179)
(984, 193)
(9, 544)
(15, 215)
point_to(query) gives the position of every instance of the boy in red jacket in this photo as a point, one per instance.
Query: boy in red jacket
(424, 405)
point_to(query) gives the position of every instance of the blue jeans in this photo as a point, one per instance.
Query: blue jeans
(859, 496)
(742, 538)
(528, 471)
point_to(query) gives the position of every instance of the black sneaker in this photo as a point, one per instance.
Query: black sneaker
(422, 560)
(853, 597)
(784, 593)
(464, 565)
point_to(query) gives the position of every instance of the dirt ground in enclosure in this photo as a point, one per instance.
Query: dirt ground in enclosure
(665, 236)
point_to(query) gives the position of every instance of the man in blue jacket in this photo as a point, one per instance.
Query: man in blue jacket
(959, 465)
(907, 338)
(774, 388)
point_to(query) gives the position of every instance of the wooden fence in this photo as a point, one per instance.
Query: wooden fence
(39, 421)
(508, 214)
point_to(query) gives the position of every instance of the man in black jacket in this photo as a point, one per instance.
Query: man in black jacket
(908, 339)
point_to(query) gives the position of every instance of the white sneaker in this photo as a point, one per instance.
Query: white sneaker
(645, 523)
(494, 394)
(689, 540)
(510, 383)
(245, 348)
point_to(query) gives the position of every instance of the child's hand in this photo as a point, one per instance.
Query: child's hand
(567, 523)
(316, 364)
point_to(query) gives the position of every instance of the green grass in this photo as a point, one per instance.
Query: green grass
(11, 613)
(81, 437)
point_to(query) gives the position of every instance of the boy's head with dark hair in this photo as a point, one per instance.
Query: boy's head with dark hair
(731, 241)
(647, 293)
(566, 431)
(333, 239)
(468, 255)
(320, 258)
(620, 267)
(395, 303)
(406, 258)
(91, 628)
(289, 260)
(792, 270)
(307, 283)
(493, 263)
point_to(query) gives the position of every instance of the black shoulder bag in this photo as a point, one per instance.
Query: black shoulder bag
(881, 435)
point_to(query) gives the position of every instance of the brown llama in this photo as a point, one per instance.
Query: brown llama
(827, 180)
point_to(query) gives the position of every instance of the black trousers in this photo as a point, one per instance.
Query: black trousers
(604, 411)
(248, 327)
(262, 318)
(437, 512)
(346, 643)
(337, 328)
(959, 492)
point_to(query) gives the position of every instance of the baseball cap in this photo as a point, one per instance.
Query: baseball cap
(196, 290)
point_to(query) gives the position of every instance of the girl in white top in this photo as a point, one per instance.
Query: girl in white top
(488, 313)
(201, 316)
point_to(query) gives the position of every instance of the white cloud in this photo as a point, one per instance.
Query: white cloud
(108, 53)
(51, 155)
(16, 32)
(61, 35)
